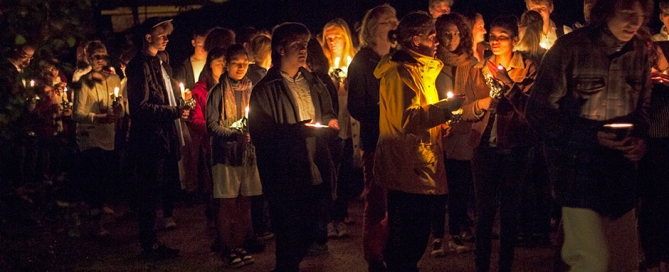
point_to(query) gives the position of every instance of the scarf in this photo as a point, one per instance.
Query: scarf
(229, 109)
(463, 64)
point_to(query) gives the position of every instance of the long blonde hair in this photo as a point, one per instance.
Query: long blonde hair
(342, 27)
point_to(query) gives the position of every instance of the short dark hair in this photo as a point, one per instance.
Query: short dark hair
(219, 37)
(461, 23)
(413, 24)
(664, 4)
(284, 33)
(605, 10)
(233, 50)
(246, 34)
(316, 59)
(508, 22)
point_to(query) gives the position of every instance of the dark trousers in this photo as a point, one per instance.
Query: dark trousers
(536, 199)
(654, 208)
(346, 179)
(409, 229)
(153, 175)
(439, 216)
(92, 176)
(459, 176)
(18, 161)
(498, 176)
(294, 220)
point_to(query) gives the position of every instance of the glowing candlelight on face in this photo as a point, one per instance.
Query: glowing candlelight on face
(247, 112)
(115, 92)
(32, 83)
(183, 91)
(449, 94)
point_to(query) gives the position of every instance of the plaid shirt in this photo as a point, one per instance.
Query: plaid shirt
(586, 80)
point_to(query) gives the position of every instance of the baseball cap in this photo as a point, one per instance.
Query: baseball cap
(150, 23)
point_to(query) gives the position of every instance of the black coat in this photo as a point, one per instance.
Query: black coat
(363, 96)
(153, 131)
(281, 142)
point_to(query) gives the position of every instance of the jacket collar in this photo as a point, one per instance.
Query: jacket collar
(274, 73)
(517, 61)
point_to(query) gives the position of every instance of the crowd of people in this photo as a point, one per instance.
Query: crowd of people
(559, 127)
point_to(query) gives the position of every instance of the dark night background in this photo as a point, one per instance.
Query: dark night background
(264, 14)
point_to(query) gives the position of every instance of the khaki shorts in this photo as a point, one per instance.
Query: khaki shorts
(233, 181)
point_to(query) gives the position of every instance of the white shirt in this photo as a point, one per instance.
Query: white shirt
(549, 39)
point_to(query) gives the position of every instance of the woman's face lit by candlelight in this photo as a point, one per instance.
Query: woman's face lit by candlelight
(238, 66)
(217, 66)
(335, 40)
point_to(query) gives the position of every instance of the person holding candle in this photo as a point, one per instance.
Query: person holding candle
(95, 116)
(338, 48)
(14, 90)
(156, 133)
(197, 125)
(501, 138)
(599, 74)
(234, 168)
(292, 156)
(409, 154)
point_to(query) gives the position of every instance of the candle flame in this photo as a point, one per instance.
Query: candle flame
(336, 62)
(619, 125)
(247, 112)
(348, 61)
(115, 92)
(500, 67)
(449, 94)
(32, 83)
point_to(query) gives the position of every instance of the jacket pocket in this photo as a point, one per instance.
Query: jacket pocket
(587, 86)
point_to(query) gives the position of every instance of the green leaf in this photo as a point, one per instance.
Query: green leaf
(20, 39)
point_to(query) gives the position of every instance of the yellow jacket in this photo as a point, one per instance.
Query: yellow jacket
(409, 155)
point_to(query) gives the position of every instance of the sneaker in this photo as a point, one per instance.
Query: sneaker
(332, 231)
(169, 223)
(160, 252)
(437, 248)
(317, 249)
(244, 255)
(456, 244)
(232, 259)
(265, 236)
(341, 229)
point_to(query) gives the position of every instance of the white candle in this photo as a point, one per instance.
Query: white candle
(348, 61)
(183, 91)
(65, 94)
(247, 113)
(115, 92)
(32, 83)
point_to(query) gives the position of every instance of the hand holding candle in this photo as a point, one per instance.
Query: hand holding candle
(183, 91)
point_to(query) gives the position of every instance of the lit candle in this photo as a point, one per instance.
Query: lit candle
(183, 91)
(500, 67)
(65, 94)
(247, 113)
(348, 61)
(336, 62)
(32, 83)
(449, 94)
(115, 92)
